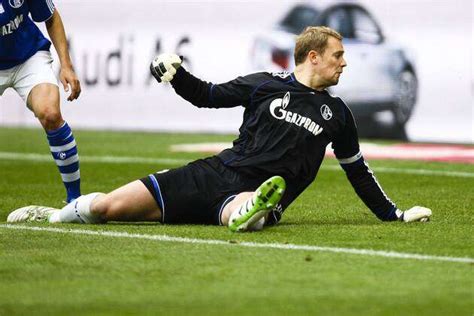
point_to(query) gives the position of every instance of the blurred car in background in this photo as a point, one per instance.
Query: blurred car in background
(379, 76)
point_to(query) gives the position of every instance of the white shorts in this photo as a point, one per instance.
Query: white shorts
(24, 77)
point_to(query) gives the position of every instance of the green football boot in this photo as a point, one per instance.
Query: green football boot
(265, 198)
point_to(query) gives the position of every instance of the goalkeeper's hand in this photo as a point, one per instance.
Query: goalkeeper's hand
(415, 214)
(164, 66)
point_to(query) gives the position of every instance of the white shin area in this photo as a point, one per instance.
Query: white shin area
(78, 211)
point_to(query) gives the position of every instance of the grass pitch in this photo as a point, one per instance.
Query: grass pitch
(58, 273)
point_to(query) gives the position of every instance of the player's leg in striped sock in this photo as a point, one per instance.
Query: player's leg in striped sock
(64, 150)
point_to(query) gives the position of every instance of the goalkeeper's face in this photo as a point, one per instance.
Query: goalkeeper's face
(331, 62)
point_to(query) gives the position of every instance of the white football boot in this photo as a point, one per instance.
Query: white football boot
(32, 213)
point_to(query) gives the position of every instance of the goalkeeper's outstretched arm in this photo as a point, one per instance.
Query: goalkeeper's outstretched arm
(368, 189)
(167, 68)
(363, 180)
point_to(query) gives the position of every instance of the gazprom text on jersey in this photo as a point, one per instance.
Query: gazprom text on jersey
(11, 26)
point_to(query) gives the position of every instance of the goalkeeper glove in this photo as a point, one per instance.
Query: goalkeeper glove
(415, 214)
(164, 67)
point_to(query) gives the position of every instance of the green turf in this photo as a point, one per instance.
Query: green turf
(63, 274)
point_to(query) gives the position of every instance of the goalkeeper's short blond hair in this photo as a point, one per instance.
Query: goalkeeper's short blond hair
(313, 38)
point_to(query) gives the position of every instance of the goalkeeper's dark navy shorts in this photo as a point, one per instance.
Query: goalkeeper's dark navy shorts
(197, 193)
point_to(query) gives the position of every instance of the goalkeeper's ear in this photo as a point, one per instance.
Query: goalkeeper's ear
(164, 66)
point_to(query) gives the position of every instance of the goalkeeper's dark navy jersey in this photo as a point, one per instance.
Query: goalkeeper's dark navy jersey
(285, 131)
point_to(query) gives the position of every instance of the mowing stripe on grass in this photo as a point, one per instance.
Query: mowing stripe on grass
(423, 172)
(175, 161)
(165, 238)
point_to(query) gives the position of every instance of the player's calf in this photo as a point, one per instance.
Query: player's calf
(64, 151)
(44, 101)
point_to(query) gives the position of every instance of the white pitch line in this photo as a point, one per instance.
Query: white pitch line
(99, 159)
(165, 238)
(175, 161)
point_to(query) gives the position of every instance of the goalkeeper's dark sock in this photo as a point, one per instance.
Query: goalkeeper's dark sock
(64, 150)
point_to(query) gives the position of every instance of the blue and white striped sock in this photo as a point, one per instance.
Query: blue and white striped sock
(64, 150)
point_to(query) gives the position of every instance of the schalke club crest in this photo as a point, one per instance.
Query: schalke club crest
(16, 3)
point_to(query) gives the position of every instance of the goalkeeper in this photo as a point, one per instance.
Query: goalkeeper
(288, 122)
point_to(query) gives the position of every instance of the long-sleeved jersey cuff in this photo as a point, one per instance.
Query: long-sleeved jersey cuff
(392, 215)
(179, 78)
